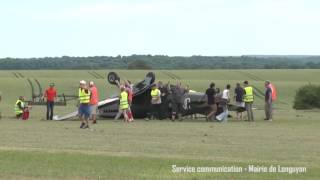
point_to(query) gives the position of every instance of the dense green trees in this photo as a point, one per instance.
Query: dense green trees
(307, 97)
(164, 62)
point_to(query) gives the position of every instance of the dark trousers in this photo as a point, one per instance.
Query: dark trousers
(50, 106)
(155, 111)
(268, 110)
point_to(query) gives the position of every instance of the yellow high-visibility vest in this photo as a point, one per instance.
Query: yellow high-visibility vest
(17, 110)
(83, 96)
(155, 93)
(248, 97)
(124, 100)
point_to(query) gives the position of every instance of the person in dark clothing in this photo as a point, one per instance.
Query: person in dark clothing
(164, 100)
(210, 92)
(238, 97)
(177, 101)
(268, 101)
(218, 99)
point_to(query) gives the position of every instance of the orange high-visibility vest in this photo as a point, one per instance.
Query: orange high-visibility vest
(273, 92)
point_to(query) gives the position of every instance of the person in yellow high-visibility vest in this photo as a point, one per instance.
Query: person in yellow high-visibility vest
(155, 102)
(123, 104)
(84, 106)
(248, 99)
(19, 107)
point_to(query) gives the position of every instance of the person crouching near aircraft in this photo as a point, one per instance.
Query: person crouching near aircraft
(93, 101)
(84, 107)
(124, 104)
(21, 109)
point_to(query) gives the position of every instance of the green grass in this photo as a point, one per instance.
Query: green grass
(38, 149)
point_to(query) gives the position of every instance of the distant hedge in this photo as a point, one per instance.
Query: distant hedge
(307, 97)
(163, 62)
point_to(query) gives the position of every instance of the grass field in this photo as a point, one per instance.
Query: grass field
(38, 149)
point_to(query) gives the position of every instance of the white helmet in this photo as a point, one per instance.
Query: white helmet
(83, 82)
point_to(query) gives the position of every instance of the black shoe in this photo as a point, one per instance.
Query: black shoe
(94, 122)
(82, 125)
(266, 119)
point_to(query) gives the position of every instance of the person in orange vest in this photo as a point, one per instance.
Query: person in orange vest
(269, 97)
(94, 99)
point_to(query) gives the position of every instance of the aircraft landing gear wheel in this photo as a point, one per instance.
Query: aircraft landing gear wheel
(152, 76)
(112, 77)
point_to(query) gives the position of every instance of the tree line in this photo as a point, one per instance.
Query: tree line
(163, 62)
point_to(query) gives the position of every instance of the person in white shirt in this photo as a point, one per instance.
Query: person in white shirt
(223, 117)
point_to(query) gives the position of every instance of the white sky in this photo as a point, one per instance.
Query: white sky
(38, 28)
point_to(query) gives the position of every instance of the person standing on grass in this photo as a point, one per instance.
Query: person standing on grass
(155, 102)
(84, 107)
(50, 94)
(129, 89)
(248, 99)
(178, 101)
(238, 97)
(164, 94)
(223, 117)
(93, 101)
(268, 101)
(124, 104)
(211, 93)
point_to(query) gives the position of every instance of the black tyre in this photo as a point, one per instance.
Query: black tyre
(152, 76)
(112, 77)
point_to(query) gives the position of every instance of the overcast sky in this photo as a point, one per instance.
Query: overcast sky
(38, 28)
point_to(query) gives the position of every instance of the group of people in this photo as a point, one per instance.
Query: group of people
(88, 103)
(243, 97)
(160, 94)
(167, 96)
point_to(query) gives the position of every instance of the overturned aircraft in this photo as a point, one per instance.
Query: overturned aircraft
(193, 102)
